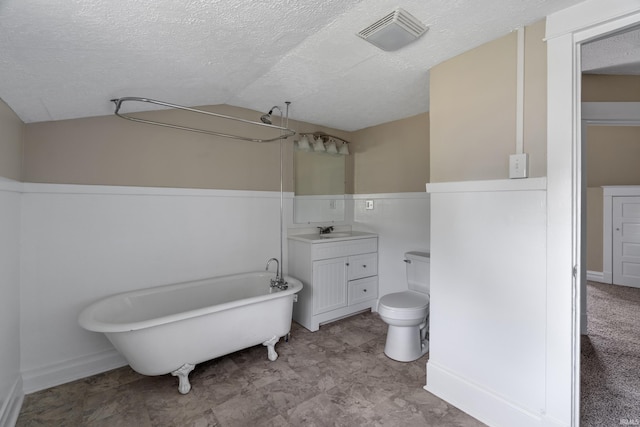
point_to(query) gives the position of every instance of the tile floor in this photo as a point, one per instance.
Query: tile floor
(338, 376)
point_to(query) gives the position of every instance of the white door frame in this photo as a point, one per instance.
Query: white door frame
(567, 30)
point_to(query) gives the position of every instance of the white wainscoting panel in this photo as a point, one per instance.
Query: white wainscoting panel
(82, 243)
(401, 221)
(488, 289)
(11, 391)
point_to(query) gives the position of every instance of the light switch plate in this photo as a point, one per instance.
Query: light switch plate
(368, 204)
(519, 165)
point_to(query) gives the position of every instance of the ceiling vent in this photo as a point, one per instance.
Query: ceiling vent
(396, 30)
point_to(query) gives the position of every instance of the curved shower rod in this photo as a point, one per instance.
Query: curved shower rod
(118, 101)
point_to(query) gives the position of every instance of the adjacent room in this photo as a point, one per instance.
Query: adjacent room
(286, 213)
(611, 144)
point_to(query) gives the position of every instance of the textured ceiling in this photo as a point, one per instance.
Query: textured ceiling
(616, 54)
(62, 59)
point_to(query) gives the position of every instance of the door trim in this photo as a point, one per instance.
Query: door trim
(566, 31)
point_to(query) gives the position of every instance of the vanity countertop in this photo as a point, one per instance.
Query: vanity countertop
(331, 237)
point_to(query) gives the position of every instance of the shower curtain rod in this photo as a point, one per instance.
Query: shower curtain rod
(118, 101)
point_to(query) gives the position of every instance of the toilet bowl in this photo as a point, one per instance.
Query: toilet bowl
(407, 313)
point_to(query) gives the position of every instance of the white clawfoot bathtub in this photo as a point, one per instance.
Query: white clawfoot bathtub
(169, 329)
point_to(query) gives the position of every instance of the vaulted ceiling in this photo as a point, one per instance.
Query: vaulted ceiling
(62, 59)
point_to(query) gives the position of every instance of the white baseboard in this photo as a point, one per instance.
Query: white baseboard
(10, 185)
(596, 276)
(476, 401)
(553, 422)
(71, 370)
(12, 404)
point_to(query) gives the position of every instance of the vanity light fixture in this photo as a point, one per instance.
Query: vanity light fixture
(322, 142)
(344, 150)
(318, 145)
(331, 146)
(303, 144)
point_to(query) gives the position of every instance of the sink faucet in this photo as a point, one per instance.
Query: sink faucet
(325, 230)
(278, 281)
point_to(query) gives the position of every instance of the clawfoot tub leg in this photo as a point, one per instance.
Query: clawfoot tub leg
(183, 376)
(271, 344)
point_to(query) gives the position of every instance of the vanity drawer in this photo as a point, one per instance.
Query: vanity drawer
(362, 290)
(364, 265)
(343, 248)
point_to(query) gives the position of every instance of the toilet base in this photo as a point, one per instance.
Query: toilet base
(405, 344)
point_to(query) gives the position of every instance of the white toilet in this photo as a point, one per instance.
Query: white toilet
(407, 313)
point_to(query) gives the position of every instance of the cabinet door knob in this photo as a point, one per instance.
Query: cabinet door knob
(364, 290)
(364, 265)
(347, 264)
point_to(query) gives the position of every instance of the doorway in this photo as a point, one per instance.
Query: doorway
(611, 148)
(567, 31)
(610, 141)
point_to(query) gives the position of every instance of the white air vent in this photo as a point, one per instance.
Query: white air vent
(396, 30)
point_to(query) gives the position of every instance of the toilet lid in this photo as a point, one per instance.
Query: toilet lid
(405, 301)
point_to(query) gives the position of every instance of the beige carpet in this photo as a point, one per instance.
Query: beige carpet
(610, 372)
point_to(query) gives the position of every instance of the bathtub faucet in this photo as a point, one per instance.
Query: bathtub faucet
(278, 282)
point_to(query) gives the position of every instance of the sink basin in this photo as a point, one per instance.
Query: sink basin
(317, 237)
(334, 235)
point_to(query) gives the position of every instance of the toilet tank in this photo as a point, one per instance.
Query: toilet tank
(418, 266)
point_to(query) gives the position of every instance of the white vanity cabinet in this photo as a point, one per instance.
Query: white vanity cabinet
(340, 276)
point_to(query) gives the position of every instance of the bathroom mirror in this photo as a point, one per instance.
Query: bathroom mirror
(319, 180)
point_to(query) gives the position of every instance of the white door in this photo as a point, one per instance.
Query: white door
(329, 284)
(626, 241)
